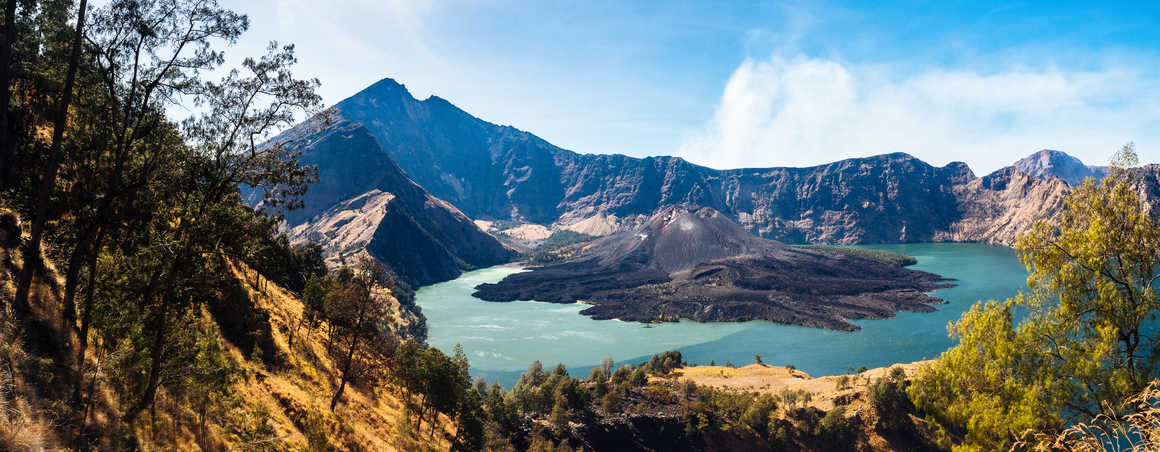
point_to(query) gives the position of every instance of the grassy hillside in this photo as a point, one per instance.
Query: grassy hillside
(279, 406)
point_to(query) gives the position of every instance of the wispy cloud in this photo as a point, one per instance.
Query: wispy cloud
(801, 111)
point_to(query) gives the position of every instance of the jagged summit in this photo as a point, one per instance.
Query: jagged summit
(1049, 163)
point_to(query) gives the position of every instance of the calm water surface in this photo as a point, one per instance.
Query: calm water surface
(502, 339)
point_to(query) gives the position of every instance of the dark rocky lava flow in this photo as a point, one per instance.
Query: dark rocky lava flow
(696, 263)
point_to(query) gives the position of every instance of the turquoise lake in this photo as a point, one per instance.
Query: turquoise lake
(502, 339)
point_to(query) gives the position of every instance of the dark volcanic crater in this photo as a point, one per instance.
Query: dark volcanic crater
(697, 264)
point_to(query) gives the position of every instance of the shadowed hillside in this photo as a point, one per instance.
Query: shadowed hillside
(364, 203)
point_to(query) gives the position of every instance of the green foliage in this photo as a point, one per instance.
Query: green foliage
(360, 320)
(806, 420)
(689, 387)
(663, 363)
(1087, 334)
(314, 296)
(613, 401)
(552, 249)
(756, 415)
(560, 417)
(793, 397)
(639, 377)
(888, 397)
(143, 215)
(843, 382)
(621, 374)
(837, 430)
(883, 256)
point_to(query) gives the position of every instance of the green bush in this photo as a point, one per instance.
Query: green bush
(886, 257)
(888, 397)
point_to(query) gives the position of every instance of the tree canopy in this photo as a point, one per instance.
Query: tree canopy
(1083, 333)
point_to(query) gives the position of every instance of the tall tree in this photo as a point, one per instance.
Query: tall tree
(240, 113)
(32, 253)
(146, 55)
(1088, 330)
(362, 319)
(6, 89)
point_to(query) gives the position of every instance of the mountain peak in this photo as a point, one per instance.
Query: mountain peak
(1048, 163)
(386, 83)
(382, 90)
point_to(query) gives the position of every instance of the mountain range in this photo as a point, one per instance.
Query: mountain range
(402, 178)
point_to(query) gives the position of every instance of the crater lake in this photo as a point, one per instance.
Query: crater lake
(502, 339)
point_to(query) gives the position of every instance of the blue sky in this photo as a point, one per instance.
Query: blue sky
(730, 84)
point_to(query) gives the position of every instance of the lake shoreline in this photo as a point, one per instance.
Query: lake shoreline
(502, 339)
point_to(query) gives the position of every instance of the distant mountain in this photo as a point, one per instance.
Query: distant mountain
(497, 172)
(695, 263)
(1049, 163)
(364, 203)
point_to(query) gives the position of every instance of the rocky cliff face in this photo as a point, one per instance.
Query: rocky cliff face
(499, 172)
(997, 208)
(364, 203)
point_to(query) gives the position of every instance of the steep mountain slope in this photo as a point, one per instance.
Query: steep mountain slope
(998, 207)
(278, 392)
(695, 263)
(499, 172)
(1050, 163)
(363, 202)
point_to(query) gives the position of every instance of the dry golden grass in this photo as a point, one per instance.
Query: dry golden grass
(22, 430)
(769, 379)
(292, 400)
(299, 395)
(23, 426)
(1138, 430)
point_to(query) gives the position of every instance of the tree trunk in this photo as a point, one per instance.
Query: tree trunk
(72, 274)
(48, 183)
(155, 356)
(297, 327)
(345, 372)
(86, 321)
(6, 144)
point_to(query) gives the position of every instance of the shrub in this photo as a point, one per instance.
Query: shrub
(843, 381)
(836, 429)
(639, 377)
(888, 397)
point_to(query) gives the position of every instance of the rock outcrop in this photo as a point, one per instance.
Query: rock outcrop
(695, 263)
(997, 208)
(1049, 163)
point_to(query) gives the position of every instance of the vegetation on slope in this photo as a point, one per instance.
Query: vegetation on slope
(137, 305)
(558, 247)
(883, 256)
(1087, 338)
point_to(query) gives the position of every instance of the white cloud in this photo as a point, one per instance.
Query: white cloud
(802, 111)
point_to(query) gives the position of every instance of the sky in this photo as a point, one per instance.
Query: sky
(754, 84)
